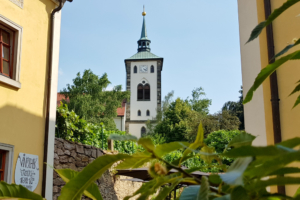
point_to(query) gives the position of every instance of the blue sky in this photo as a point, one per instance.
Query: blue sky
(198, 39)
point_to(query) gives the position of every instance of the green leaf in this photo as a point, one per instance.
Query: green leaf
(226, 197)
(239, 193)
(151, 187)
(166, 190)
(137, 160)
(297, 101)
(122, 137)
(267, 71)
(13, 191)
(190, 193)
(291, 143)
(247, 151)
(287, 48)
(76, 186)
(207, 154)
(234, 175)
(264, 166)
(198, 142)
(166, 148)
(257, 185)
(297, 89)
(286, 170)
(204, 189)
(91, 192)
(258, 29)
(147, 144)
(243, 139)
(297, 192)
(215, 179)
(179, 160)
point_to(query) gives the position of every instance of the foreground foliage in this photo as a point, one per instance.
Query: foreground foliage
(254, 169)
(245, 179)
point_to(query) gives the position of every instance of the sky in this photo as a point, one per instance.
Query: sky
(198, 39)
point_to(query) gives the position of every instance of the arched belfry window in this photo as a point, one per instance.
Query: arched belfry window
(152, 69)
(140, 92)
(143, 131)
(143, 92)
(148, 113)
(135, 69)
(147, 92)
(139, 113)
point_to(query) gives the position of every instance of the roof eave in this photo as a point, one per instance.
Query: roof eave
(145, 59)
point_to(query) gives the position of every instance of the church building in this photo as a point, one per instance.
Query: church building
(143, 80)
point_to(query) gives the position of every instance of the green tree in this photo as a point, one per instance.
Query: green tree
(198, 103)
(237, 109)
(223, 120)
(177, 121)
(88, 98)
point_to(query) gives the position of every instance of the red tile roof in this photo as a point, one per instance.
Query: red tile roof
(60, 97)
(120, 111)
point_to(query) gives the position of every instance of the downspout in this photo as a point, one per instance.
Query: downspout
(273, 84)
(50, 57)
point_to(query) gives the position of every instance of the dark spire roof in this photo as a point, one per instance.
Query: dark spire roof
(144, 42)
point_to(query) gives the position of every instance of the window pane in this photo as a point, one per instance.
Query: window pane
(5, 67)
(5, 53)
(1, 175)
(5, 37)
(147, 92)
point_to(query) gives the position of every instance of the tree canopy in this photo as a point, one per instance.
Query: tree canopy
(89, 99)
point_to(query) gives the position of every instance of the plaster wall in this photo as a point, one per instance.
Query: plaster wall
(120, 123)
(135, 129)
(251, 65)
(22, 114)
(285, 28)
(136, 79)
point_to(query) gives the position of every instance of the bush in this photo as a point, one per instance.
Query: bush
(73, 128)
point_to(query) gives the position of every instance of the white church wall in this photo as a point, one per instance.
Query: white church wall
(143, 106)
(135, 129)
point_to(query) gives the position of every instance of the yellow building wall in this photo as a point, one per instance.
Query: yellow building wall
(285, 28)
(22, 113)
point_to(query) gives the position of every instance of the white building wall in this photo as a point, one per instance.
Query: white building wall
(135, 129)
(254, 111)
(136, 79)
(120, 123)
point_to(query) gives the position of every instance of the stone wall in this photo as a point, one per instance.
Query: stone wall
(77, 156)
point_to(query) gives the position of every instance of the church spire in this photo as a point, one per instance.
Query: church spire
(144, 42)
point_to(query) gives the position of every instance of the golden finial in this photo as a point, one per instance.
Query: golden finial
(144, 13)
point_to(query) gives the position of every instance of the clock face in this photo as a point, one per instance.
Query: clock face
(143, 68)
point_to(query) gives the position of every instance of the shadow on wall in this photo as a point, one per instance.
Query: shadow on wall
(25, 131)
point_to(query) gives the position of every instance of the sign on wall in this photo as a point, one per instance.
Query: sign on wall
(27, 171)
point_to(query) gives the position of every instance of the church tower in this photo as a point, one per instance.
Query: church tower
(143, 80)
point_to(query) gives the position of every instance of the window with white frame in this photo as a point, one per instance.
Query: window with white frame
(6, 162)
(10, 52)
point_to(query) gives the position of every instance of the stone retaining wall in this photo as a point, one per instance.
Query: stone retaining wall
(77, 156)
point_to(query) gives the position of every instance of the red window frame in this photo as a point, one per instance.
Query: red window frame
(2, 169)
(10, 46)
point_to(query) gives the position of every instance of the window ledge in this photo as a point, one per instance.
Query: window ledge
(10, 82)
